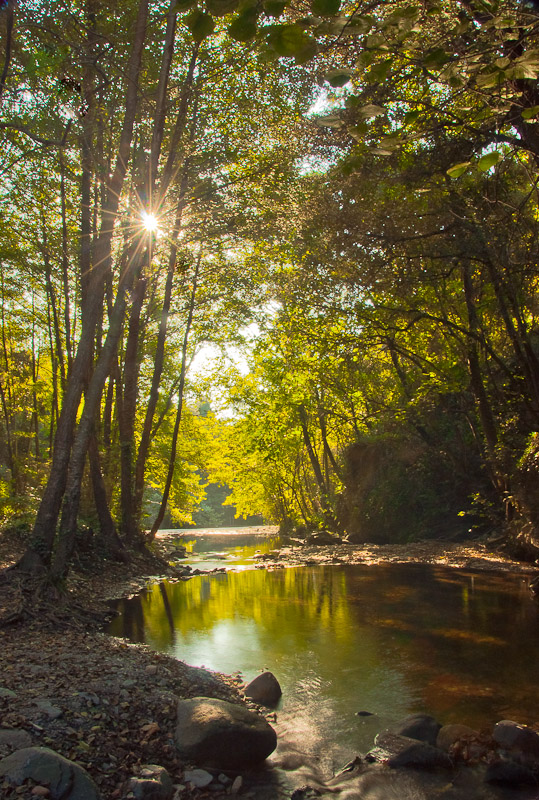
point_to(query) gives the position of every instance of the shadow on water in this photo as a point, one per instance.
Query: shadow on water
(390, 640)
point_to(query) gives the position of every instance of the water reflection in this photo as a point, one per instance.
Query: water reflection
(390, 640)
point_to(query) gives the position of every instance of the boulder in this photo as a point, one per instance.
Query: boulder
(264, 689)
(418, 726)
(154, 783)
(449, 735)
(509, 773)
(403, 751)
(513, 736)
(65, 779)
(215, 733)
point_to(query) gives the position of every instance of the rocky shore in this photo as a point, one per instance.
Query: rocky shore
(111, 709)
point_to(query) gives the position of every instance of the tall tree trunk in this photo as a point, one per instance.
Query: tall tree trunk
(109, 534)
(71, 499)
(317, 471)
(127, 414)
(174, 443)
(39, 553)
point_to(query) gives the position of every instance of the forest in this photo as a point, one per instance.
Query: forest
(288, 247)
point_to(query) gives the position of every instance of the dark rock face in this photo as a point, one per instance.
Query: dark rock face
(418, 726)
(264, 689)
(509, 773)
(215, 733)
(403, 751)
(512, 736)
(65, 779)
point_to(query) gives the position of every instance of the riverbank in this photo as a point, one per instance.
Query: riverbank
(110, 705)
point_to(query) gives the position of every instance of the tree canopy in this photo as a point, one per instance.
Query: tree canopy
(356, 182)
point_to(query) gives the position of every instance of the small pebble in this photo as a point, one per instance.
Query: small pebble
(236, 785)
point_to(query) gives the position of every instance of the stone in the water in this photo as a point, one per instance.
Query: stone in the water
(264, 689)
(513, 736)
(449, 735)
(403, 751)
(7, 693)
(510, 773)
(215, 733)
(418, 726)
(65, 779)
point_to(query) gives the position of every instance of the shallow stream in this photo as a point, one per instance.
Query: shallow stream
(388, 640)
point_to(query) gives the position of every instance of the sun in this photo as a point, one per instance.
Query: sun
(149, 221)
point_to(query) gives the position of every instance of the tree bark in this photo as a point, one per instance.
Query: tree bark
(39, 553)
(174, 443)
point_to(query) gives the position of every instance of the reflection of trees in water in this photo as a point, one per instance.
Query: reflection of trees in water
(453, 640)
(168, 611)
(133, 619)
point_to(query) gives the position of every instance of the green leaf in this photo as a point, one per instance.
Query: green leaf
(339, 77)
(379, 72)
(369, 111)
(243, 28)
(357, 132)
(530, 113)
(411, 116)
(200, 24)
(489, 160)
(436, 58)
(458, 169)
(290, 40)
(184, 5)
(220, 8)
(274, 8)
(329, 121)
(325, 8)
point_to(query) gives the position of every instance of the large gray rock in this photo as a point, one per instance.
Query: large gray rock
(513, 736)
(65, 779)
(418, 726)
(264, 689)
(214, 733)
(403, 751)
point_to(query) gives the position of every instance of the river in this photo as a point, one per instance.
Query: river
(389, 640)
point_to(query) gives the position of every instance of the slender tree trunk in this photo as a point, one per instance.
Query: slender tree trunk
(107, 528)
(39, 553)
(317, 470)
(127, 414)
(71, 500)
(8, 45)
(174, 443)
(65, 267)
(159, 360)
